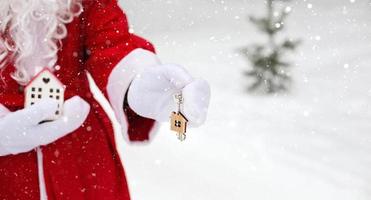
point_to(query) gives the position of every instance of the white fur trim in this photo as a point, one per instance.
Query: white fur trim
(120, 79)
(40, 167)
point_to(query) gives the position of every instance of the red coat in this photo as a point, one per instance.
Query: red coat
(84, 164)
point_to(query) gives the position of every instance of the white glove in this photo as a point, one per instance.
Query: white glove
(151, 94)
(21, 131)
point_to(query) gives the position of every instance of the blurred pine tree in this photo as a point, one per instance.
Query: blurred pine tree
(269, 69)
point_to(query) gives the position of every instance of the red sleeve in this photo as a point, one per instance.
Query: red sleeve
(107, 42)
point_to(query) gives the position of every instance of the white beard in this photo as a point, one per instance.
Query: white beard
(30, 33)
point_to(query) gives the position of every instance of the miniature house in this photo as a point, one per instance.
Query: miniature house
(178, 122)
(45, 85)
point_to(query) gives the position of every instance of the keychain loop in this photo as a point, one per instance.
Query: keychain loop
(179, 100)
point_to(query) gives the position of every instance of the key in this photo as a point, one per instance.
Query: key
(178, 122)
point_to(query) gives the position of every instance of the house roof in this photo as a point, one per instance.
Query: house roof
(42, 71)
(181, 114)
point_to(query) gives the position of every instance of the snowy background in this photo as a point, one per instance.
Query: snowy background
(311, 143)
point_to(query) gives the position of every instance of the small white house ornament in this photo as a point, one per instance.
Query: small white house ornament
(45, 85)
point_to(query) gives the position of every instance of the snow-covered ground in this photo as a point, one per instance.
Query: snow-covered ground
(312, 143)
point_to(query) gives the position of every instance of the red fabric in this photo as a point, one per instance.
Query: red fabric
(107, 42)
(84, 164)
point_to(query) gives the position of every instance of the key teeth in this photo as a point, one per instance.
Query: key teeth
(181, 137)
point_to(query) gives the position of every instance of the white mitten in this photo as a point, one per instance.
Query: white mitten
(3, 111)
(21, 131)
(151, 94)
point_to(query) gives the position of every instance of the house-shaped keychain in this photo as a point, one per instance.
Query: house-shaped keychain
(178, 124)
(45, 85)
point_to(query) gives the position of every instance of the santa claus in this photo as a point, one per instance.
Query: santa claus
(75, 156)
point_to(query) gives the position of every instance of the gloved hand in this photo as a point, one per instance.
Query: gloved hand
(20, 131)
(151, 94)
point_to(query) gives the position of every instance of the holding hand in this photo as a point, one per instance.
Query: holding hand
(24, 133)
(151, 94)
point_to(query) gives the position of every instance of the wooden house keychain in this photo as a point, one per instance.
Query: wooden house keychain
(178, 122)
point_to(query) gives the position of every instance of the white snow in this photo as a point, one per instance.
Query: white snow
(312, 143)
